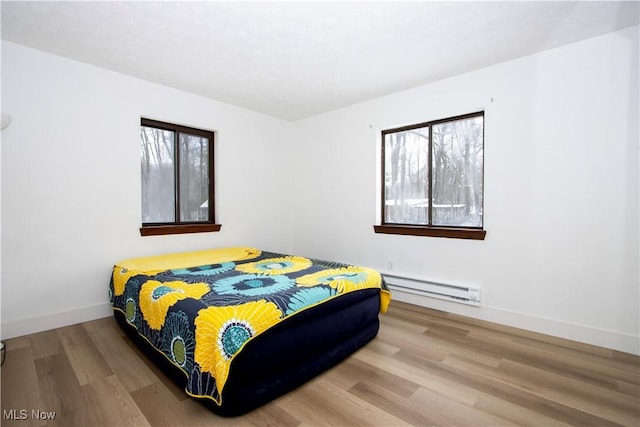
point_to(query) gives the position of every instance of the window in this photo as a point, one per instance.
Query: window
(432, 178)
(177, 179)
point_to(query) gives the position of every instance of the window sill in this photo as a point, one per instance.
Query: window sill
(409, 230)
(158, 230)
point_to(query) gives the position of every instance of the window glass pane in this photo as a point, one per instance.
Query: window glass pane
(157, 160)
(407, 177)
(194, 178)
(457, 172)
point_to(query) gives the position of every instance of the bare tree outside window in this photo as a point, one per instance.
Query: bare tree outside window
(194, 178)
(457, 181)
(407, 172)
(433, 177)
(158, 178)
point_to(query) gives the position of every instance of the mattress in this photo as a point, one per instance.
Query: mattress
(238, 327)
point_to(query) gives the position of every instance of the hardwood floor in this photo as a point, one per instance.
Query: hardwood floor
(425, 368)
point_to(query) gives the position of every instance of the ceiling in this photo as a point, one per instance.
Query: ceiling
(296, 59)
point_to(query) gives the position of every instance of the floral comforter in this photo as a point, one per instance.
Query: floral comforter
(199, 309)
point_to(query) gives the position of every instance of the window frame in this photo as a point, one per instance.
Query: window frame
(182, 227)
(457, 232)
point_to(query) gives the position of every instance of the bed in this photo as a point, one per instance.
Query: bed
(238, 327)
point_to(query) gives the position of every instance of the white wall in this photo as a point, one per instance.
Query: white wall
(561, 191)
(71, 183)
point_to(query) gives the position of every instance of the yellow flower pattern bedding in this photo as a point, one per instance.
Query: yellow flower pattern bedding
(199, 309)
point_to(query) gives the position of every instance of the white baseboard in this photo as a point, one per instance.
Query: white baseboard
(572, 331)
(32, 325)
(576, 332)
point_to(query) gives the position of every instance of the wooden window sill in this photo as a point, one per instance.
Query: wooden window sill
(416, 230)
(157, 230)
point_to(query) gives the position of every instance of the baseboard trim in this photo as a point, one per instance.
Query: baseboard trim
(572, 331)
(32, 325)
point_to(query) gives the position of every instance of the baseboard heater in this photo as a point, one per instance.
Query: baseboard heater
(462, 294)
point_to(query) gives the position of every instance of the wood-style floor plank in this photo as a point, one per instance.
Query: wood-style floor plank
(425, 367)
(20, 388)
(60, 391)
(132, 372)
(45, 343)
(86, 360)
(111, 404)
